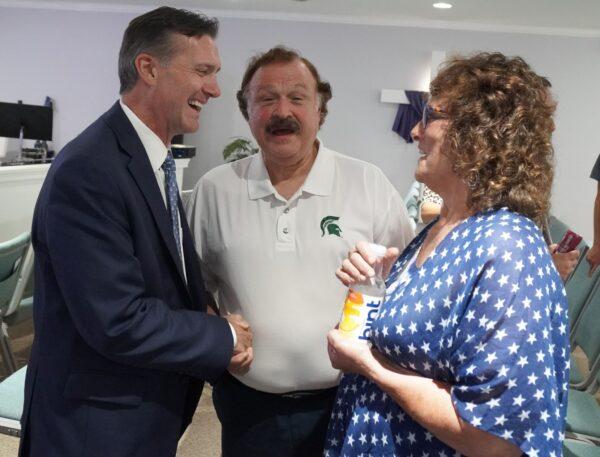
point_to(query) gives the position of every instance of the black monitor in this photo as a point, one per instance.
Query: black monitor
(36, 121)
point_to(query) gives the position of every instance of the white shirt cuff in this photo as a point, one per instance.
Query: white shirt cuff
(234, 335)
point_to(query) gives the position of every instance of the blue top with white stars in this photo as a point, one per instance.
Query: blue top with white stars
(485, 313)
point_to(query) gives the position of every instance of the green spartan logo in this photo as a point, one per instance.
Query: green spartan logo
(328, 223)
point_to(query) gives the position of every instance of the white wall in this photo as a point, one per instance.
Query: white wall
(71, 56)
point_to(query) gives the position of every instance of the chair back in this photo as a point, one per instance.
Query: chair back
(586, 332)
(12, 254)
(23, 290)
(579, 287)
(586, 336)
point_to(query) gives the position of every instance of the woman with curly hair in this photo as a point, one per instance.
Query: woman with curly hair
(470, 349)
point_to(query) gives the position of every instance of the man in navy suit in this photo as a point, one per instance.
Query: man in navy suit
(123, 340)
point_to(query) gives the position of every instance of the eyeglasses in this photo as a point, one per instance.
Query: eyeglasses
(432, 114)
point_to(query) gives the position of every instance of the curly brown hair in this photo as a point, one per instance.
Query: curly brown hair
(281, 54)
(499, 132)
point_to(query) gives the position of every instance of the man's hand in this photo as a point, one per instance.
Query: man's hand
(593, 258)
(565, 262)
(242, 352)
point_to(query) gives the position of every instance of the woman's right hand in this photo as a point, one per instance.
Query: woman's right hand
(358, 266)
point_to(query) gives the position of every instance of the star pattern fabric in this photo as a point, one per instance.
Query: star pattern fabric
(485, 313)
(172, 193)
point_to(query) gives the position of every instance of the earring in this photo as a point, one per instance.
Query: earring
(472, 180)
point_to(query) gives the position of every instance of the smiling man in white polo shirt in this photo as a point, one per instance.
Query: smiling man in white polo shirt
(271, 230)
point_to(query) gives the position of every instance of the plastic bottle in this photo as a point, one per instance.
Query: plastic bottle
(363, 301)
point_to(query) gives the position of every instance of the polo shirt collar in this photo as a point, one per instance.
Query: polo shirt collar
(259, 183)
(318, 182)
(320, 178)
(155, 148)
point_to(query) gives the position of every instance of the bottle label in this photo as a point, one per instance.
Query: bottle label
(360, 310)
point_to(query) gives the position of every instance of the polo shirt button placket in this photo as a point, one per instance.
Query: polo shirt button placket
(283, 226)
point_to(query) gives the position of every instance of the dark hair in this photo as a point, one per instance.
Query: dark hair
(499, 136)
(281, 54)
(152, 33)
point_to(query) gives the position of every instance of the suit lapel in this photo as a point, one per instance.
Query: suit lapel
(141, 171)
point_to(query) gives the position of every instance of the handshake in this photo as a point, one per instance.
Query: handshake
(242, 352)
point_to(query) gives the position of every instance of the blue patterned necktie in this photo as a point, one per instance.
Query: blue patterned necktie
(172, 193)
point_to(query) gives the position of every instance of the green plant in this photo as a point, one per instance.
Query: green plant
(239, 148)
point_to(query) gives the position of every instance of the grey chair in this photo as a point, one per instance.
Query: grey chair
(583, 416)
(579, 289)
(586, 337)
(572, 448)
(16, 262)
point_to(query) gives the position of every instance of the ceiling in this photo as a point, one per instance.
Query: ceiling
(560, 17)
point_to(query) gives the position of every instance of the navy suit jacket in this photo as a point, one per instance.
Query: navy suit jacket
(122, 344)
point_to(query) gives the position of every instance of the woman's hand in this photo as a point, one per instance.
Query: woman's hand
(358, 266)
(565, 262)
(351, 355)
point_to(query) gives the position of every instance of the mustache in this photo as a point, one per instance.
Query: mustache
(282, 123)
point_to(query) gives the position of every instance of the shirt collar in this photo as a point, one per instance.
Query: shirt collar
(318, 182)
(155, 148)
(259, 183)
